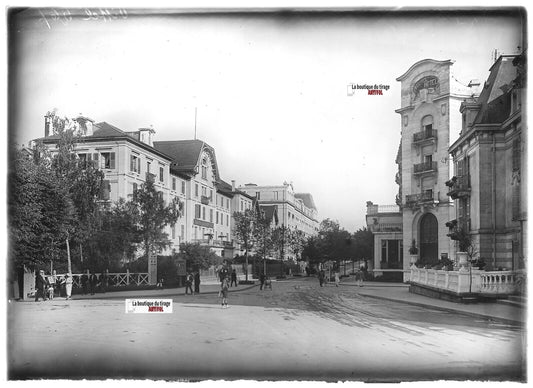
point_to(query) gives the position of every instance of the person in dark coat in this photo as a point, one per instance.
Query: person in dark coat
(188, 283)
(197, 282)
(41, 286)
(262, 279)
(93, 280)
(233, 278)
(84, 281)
(321, 277)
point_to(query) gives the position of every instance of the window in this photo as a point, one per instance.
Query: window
(108, 160)
(183, 187)
(276, 195)
(242, 206)
(174, 232)
(227, 203)
(161, 174)
(210, 215)
(196, 190)
(227, 220)
(428, 159)
(204, 168)
(148, 167)
(204, 191)
(135, 164)
(182, 232)
(217, 218)
(203, 213)
(174, 184)
(210, 193)
(197, 211)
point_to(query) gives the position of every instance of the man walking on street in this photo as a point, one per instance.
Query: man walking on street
(197, 282)
(262, 279)
(188, 284)
(233, 278)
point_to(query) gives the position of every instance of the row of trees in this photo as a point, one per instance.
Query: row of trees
(254, 232)
(55, 211)
(336, 243)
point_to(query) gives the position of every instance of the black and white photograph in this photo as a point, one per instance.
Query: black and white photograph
(267, 194)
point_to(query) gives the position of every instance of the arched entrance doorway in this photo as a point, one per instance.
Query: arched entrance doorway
(429, 239)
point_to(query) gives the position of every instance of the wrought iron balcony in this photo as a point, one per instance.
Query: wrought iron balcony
(412, 200)
(205, 200)
(459, 186)
(425, 167)
(422, 136)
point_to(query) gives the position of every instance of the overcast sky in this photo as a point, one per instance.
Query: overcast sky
(271, 91)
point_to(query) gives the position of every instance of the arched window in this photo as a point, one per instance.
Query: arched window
(204, 168)
(427, 124)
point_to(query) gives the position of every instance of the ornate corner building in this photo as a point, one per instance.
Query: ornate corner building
(430, 102)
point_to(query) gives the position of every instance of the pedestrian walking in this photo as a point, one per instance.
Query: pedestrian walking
(233, 278)
(224, 289)
(41, 285)
(68, 285)
(337, 279)
(197, 282)
(262, 279)
(321, 277)
(359, 277)
(188, 284)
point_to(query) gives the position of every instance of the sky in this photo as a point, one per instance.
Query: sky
(270, 90)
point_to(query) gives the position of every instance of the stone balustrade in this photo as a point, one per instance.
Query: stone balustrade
(461, 282)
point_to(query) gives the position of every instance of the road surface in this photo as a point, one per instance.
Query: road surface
(298, 330)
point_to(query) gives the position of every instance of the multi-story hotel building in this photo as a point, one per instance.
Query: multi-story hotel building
(294, 210)
(125, 158)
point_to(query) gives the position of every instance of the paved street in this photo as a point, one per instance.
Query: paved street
(297, 330)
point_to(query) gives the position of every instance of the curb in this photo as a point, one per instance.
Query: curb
(248, 287)
(448, 309)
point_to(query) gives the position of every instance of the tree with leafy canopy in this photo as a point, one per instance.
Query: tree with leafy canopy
(40, 212)
(198, 256)
(244, 232)
(263, 238)
(154, 215)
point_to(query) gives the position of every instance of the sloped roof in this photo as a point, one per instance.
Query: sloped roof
(105, 131)
(225, 187)
(494, 100)
(307, 199)
(186, 154)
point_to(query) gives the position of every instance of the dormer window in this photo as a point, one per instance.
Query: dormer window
(204, 168)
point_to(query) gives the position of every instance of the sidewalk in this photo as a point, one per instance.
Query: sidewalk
(399, 292)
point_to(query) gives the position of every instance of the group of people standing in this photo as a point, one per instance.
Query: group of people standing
(91, 283)
(46, 287)
(191, 279)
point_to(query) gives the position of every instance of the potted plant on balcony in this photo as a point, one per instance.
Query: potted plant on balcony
(413, 251)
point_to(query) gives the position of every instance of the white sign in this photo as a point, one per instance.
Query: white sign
(151, 306)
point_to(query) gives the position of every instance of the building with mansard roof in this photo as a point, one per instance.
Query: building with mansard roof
(489, 186)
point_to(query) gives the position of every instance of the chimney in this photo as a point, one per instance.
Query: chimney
(146, 135)
(233, 185)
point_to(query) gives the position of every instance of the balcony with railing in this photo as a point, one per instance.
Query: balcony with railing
(459, 186)
(205, 200)
(425, 167)
(419, 199)
(428, 135)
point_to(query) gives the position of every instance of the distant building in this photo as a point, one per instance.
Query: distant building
(489, 186)
(295, 210)
(386, 224)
